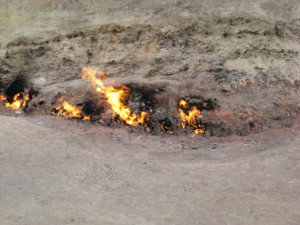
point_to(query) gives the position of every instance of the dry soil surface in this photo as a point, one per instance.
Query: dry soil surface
(55, 171)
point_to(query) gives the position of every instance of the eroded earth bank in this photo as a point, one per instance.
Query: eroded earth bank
(237, 61)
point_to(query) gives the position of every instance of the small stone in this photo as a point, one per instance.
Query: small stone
(214, 146)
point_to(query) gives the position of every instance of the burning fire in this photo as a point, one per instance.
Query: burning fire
(189, 117)
(166, 129)
(2, 98)
(17, 103)
(116, 96)
(68, 110)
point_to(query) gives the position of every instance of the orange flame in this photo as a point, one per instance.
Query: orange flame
(17, 101)
(2, 98)
(166, 129)
(183, 103)
(115, 97)
(190, 118)
(68, 110)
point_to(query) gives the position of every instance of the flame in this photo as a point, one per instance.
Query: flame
(69, 110)
(2, 98)
(190, 118)
(25, 100)
(166, 129)
(17, 102)
(115, 96)
(183, 103)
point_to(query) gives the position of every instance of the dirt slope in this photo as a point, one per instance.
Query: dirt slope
(241, 55)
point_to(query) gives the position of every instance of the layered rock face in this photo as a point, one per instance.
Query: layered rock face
(239, 59)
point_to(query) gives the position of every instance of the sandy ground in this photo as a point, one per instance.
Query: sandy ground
(83, 174)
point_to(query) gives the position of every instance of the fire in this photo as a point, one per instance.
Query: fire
(189, 117)
(166, 129)
(17, 103)
(2, 98)
(183, 103)
(116, 95)
(68, 110)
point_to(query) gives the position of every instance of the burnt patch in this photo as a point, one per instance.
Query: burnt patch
(141, 98)
(31, 94)
(201, 103)
(163, 110)
(166, 126)
(218, 129)
(17, 86)
(93, 110)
